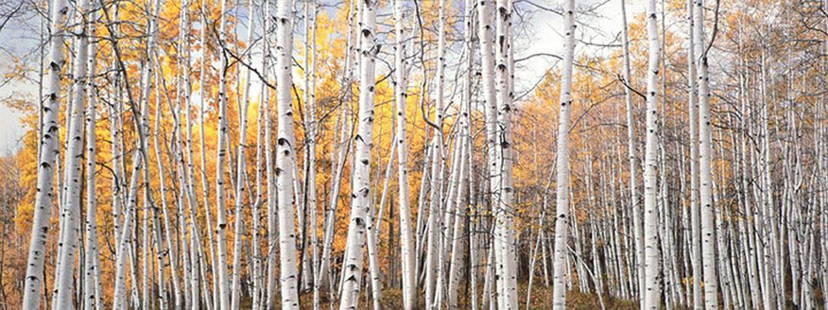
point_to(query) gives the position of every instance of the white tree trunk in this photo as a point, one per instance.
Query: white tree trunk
(123, 239)
(339, 159)
(205, 185)
(241, 174)
(311, 142)
(708, 242)
(406, 235)
(286, 155)
(361, 194)
(485, 11)
(223, 294)
(652, 270)
(434, 270)
(692, 115)
(407, 247)
(164, 249)
(125, 248)
(47, 154)
(93, 298)
(562, 216)
(633, 160)
(70, 209)
(505, 242)
(463, 194)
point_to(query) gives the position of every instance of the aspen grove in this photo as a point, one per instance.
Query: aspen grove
(414, 154)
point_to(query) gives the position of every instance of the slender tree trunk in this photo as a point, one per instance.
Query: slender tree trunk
(401, 97)
(286, 156)
(221, 278)
(93, 298)
(241, 175)
(70, 210)
(695, 255)
(338, 164)
(48, 151)
(652, 264)
(562, 216)
(125, 242)
(708, 242)
(361, 194)
(633, 159)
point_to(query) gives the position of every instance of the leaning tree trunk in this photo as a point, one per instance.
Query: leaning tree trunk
(125, 247)
(433, 268)
(48, 153)
(361, 194)
(633, 160)
(563, 218)
(464, 133)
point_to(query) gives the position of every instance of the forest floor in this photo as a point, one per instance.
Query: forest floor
(541, 299)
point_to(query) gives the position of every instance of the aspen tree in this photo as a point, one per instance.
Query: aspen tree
(433, 267)
(340, 156)
(652, 264)
(285, 156)
(259, 276)
(272, 208)
(361, 194)
(125, 247)
(92, 298)
(562, 216)
(401, 95)
(205, 185)
(463, 204)
(505, 242)
(708, 242)
(224, 291)
(241, 174)
(164, 247)
(485, 10)
(190, 298)
(311, 174)
(632, 157)
(198, 263)
(48, 151)
(692, 116)
(70, 209)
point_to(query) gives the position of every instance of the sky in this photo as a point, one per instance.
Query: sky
(18, 39)
(543, 31)
(10, 128)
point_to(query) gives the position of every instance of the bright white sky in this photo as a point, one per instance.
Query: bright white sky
(546, 36)
(544, 30)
